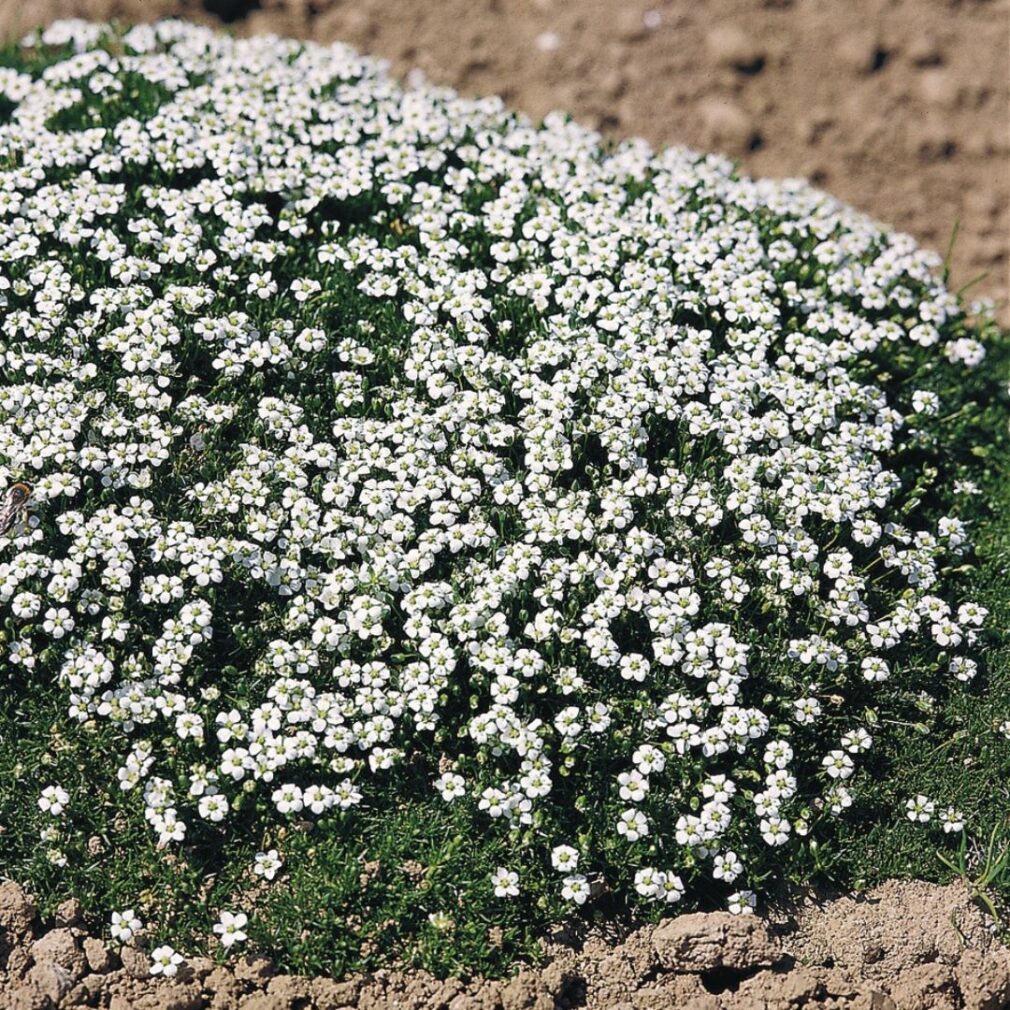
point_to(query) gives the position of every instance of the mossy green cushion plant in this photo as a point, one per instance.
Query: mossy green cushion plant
(441, 522)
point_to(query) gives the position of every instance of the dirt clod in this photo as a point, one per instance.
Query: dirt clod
(59, 947)
(52, 980)
(100, 959)
(706, 941)
(984, 979)
(731, 46)
(17, 912)
(69, 913)
(928, 986)
(254, 969)
(136, 963)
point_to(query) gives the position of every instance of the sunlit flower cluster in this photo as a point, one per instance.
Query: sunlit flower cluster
(370, 425)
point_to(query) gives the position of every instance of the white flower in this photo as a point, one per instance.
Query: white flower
(633, 786)
(874, 669)
(727, 867)
(953, 820)
(564, 858)
(58, 622)
(505, 883)
(165, 961)
(318, 798)
(304, 287)
(838, 764)
(742, 902)
(262, 285)
(575, 888)
(632, 824)
(213, 807)
(288, 799)
(855, 741)
(839, 798)
(670, 888)
(920, 808)
(648, 881)
(26, 605)
(775, 830)
(230, 928)
(125, 925)
(634, 667)
(925, 402)
(266, 864)
(451, 786)
(53, 800)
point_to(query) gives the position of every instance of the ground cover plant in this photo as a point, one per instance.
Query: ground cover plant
(442, 524)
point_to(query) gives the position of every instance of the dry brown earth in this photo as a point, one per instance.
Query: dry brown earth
(900, 107)
(901, 946)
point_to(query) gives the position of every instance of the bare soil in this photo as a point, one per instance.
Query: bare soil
(899, 107)
(901, 946)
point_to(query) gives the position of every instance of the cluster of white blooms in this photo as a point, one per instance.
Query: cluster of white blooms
(369, 424)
